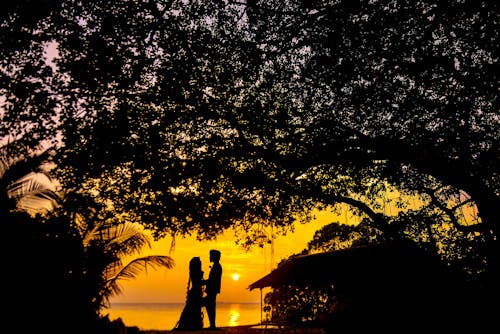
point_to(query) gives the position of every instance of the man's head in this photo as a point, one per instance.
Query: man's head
(214, 255)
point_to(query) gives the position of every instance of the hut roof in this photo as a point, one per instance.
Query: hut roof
(354, 268)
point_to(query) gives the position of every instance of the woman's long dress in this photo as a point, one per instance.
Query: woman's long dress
(192, 315)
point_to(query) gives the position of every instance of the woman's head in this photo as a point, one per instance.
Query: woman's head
(195, 264)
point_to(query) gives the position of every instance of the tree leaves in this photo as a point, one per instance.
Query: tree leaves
(193, 108)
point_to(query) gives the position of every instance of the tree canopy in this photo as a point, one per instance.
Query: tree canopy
(197, 116)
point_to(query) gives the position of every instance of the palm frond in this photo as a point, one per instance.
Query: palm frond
(45, 200)
(127, 238)
(16, 168)
(34, 193)
(24, 184)
(134, 268)
(30, 183)
(89, 232)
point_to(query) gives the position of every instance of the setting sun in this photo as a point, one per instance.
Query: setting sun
(236, 277)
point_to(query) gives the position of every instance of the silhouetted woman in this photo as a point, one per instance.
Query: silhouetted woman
(192, 314)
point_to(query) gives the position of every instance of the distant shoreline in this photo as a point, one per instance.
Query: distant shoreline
(161, 316)
(244, 329)
(181, 302)
(229, 330)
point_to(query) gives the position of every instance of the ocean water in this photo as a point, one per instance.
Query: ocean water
(164, 316)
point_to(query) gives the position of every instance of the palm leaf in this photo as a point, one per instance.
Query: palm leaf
(128, 238)
(22, 177)
(12, 169)
(32, 192)
(133, 269)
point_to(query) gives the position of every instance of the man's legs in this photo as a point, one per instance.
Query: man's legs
(210, 307)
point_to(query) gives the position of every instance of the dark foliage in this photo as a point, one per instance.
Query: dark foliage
(197, 116)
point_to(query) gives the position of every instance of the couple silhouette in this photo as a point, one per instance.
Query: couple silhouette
(192, 315)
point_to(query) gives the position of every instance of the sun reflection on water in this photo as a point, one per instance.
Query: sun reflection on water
(164, 316)
(234, 316)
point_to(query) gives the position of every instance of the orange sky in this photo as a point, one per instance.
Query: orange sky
(170, 285)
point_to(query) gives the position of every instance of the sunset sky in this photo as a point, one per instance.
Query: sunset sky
(170, 285)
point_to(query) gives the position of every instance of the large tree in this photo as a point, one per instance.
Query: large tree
(204, 115)
(406, 89)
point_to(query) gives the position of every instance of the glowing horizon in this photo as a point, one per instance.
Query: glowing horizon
(171, 285)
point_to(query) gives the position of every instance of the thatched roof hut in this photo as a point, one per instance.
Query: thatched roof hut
(389, 286)
(356, 267)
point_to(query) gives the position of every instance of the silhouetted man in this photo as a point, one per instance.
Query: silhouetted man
(213, 286)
